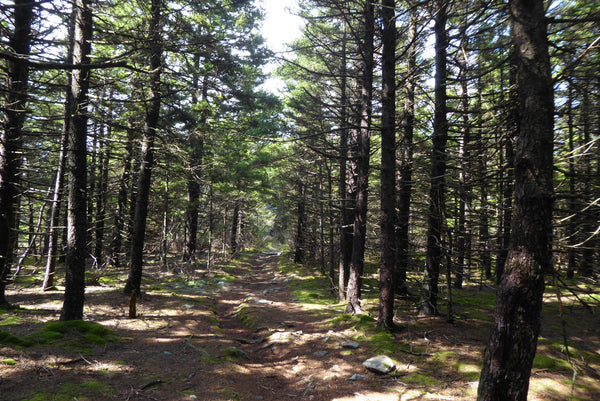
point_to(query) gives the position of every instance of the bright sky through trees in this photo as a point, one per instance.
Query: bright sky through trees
(281, 26)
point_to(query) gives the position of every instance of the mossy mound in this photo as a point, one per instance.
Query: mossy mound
(93, 332)
(14, 341)
(85, 332)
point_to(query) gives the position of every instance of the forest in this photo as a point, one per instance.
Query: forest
(417, 151)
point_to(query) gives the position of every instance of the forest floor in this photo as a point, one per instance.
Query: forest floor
(258, 329)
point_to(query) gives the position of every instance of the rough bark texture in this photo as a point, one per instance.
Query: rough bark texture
(300, 251)
(196, 143)
(77, 251)
(54, 218)
(119, 215)
(134, 280)
(362, 157)
(11, 137)
(347, 202)
(429, 290)
(405, 183)
(388, 168)
(513, 341)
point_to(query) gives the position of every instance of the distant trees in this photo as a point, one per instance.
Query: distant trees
(129, 108)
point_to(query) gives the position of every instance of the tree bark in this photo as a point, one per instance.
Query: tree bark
(517, 313)
(362, 157)
(120, 211)
(388, 168)
(101, 200)
(435, 224)
(346, 195)
(54, 217)
(11, 137)
(196, 143)
(405, 183)
(134, 279)
(77, 251)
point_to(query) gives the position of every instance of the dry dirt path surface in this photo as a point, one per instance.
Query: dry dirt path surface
(238, 334)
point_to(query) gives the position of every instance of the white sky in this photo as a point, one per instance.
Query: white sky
(279, 27)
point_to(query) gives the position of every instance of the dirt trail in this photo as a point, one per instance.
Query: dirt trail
(285, 351)
(248, 340)
(237, 334)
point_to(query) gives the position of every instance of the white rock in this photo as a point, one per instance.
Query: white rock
(380, 364)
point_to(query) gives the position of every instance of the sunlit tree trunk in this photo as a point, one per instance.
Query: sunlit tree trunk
(388, 168)
(196, 143)
(511, 348)
(121, 206)
(77, 166)
(11, 137)
(134, 279)
(346, 196)
(362, 157)
(405, 183)
(435, 223)
(300, 251)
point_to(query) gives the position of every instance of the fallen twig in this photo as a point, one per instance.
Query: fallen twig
(151, 384)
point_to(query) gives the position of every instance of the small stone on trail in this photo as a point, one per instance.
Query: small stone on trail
(320, 353)
(351, 345)
(236, 352)
(355, 377)
(380, 364)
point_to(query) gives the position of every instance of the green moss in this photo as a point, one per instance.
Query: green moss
(96, 386)
(541, 361)
(471, 371)
(93, 333)
(362, 322)
(9, 361)
(421, 379)
(243, 313)
(88, 391)
(383, 342)
(444, 356)
(9, 321)
(13, 341)
(229, 394)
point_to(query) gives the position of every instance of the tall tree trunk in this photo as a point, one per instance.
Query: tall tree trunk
(517, 313)
(300, 249)
(388, 168)
(54, 218)
(11, 137)
(345, 191)
(435, 224)
(196, 143)
(505, 216)
(234, 226)
(120, 211)
(573, 197)
(463, 246)
(101, 199)
(77, 251)
(588, 226)
(134, 280)
(361, 157)
(405, 183)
